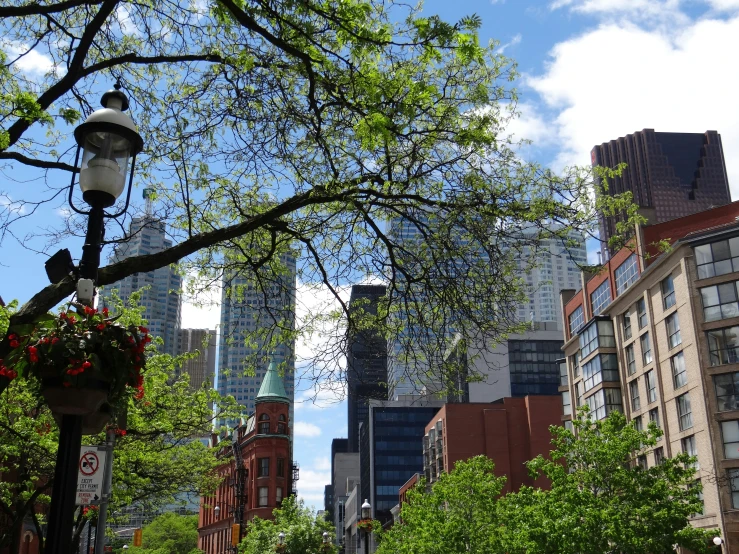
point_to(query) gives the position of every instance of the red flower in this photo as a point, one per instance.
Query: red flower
(144, 330)
(54, 340)
(86, 365)
(140, 394)
(90, 311)
(14, 343)
(72, 319)
(120, 432)
(100, 327)
(5, 372)
(105, 312)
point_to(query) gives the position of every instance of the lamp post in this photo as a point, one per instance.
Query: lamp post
(325, 537)
(107, 139)
(281, 538)
(718, 541)
(366, 514)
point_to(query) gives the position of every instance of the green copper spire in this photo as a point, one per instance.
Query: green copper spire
(272, 389)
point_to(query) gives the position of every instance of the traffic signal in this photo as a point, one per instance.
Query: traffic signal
(137, 537)
(235, 534)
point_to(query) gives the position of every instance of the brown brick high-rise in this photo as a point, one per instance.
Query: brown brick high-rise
(673, 174)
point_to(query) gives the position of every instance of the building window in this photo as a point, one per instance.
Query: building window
(280, 467)
(563, 377)
(718, 258)
(599, 369)
(576, 320)
(651, 386)
(630, 359)
(626, 318)
(730, 434)
(578, 394)
(659, 456)
(699, 487)
(720, 301)
(604, 402)
(654, 416)
(634, 393)
(727, 391)
(679, 375)
(734, 487)
(641, 313)
(263, 469)
(688, 446)
(673, 330)
(636, 420)
(263, 496)
(723, 345)
(599, 334)
(684, 412)
(668, 292)
(600, 298)
(646, 349)
(281, 429)
(264, 428)
(566, 403)
(278, 495)
(626, 273)
(641, 461)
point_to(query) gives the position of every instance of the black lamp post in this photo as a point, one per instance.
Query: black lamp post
(107, 139)
(366, 515)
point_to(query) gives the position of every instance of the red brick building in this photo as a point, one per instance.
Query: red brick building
(509, 432)
(257, 471)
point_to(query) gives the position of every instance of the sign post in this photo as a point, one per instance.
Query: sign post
(90, 475)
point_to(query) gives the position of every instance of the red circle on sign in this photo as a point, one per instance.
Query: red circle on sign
(89, 463)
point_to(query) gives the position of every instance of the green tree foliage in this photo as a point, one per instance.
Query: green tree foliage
(320, 128)
(601, 500)
(169, 533)
(158, 458)
(303, 531)
(459, 515)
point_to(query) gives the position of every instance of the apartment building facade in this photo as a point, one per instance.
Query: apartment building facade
(656, 336)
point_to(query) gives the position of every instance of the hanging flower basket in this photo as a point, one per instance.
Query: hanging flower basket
(365, 525)
(86, 363)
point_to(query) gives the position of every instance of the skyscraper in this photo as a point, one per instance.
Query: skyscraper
(675, 174)
(160, 289)
(366, 362)
(246, 311)
(201, 368)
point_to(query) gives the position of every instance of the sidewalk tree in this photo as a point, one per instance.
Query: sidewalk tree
(303, 531)
(601, 500)
(273, 125)
(459, 515)
(169, 533)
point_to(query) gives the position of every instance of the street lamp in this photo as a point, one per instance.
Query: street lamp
(281, 538)
(718, 541)
(366, 514)
(125, 547)
(217, 511)
(325, 537)
(107, 139)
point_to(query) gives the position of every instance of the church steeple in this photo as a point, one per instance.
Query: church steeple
(272, 389)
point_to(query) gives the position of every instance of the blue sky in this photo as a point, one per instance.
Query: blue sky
(591, 71)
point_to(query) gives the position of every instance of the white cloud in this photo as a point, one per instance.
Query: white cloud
(7, 204)
(621, 78)
(724, 5)
(32, 63)
(515, 40)
(323, 464)
(201, 303)
(305, 429)
(311, 486)
(324, 394)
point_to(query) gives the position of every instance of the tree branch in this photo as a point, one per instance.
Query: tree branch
(37, 9)
(17, 156)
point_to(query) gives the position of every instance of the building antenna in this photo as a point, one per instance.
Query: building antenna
(149, 197)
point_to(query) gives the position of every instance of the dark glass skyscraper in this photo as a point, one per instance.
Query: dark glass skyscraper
(366, 362)
(675, 174)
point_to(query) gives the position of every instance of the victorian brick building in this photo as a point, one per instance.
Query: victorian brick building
(257, 469)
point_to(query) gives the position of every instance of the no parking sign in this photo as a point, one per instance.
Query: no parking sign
(90, 476)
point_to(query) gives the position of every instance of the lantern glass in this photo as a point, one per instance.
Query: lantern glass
(105, 162)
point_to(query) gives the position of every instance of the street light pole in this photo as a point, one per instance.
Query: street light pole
(107, 139)
(366, 515)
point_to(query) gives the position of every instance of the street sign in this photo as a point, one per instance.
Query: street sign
(90, 475)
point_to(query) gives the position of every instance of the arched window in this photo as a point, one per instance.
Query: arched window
(281, 427)
(264, 424)
(282, 417)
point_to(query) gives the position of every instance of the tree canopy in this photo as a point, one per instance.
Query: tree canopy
(601, 501)
(328, 130)
(303, 531)
(169, 533)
